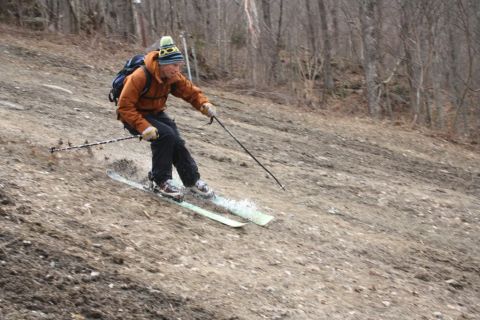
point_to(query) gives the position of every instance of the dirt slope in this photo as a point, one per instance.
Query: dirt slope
(378, 223)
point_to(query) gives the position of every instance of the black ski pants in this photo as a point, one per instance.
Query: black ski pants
(169, 149)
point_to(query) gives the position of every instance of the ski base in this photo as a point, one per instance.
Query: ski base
(184, 204)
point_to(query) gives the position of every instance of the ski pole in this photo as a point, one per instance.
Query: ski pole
(249, 153)
(54, 149)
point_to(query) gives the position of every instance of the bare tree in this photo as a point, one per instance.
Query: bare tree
(327, 48)
(418, 57)
(312, 34)
(277, 44)
(254, 31)
(367, 18)
(335, 26)
(407, 36)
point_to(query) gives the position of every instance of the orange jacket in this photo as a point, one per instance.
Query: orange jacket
(132, 107)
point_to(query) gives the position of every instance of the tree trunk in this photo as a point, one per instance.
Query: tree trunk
(335, 31)
(352, 48)
(275, 61)
(379, 36)
(267, 19)
(138, 23)
(453, 75)
(219, 34)
(253, 31)
(268, 46)
(171, 16)
(64, 17)
(435, 80)
(462, 108)
(208, 22)
(312, 38)
(327, 49)
(75, 14)
(406, 37)
(199, 13)
(367, 19)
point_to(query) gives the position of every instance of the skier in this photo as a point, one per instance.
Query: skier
(144, 113)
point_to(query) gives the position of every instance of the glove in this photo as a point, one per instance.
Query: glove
(150, 134)
(208, 109)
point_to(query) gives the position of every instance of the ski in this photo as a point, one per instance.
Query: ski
(184, 204)
(238, 208)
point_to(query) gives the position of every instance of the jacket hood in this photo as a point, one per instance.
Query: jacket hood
(152, 65)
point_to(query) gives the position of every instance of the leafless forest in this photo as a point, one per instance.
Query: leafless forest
(404, 59)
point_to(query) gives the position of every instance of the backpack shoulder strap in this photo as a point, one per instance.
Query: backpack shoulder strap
(148, 76)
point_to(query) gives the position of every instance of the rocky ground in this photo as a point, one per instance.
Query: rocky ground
(378, 222)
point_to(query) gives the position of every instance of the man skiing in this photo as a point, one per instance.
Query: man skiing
(144, 113)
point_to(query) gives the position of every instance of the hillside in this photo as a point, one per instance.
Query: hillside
(378, 222)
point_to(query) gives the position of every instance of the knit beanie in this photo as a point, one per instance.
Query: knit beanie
(169, 52)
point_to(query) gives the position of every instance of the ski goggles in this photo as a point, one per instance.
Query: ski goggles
(167, 51)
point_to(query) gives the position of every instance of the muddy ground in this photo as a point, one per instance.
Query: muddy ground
(378, 222)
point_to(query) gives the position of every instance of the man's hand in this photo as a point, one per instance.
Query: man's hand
(150, 134)
(208, 109)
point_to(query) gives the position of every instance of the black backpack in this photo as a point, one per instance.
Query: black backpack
(130, 66)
